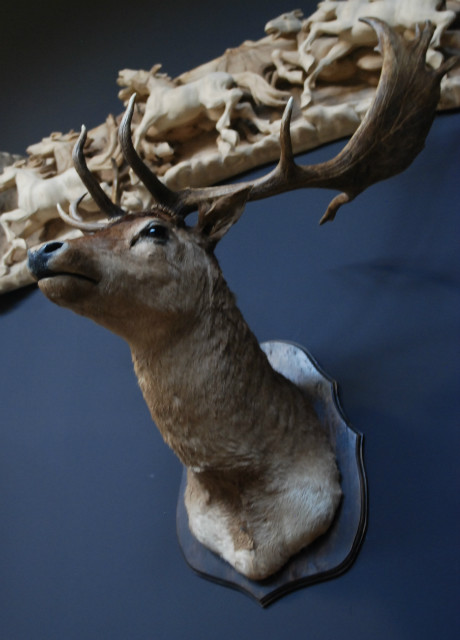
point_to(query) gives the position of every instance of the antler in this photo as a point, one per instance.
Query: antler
(94, 188)
(169, 199)
(159, 191)
(388, 139)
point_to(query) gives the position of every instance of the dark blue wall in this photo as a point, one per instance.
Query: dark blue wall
(88, 548)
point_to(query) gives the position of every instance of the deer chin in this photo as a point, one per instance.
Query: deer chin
(67, 288)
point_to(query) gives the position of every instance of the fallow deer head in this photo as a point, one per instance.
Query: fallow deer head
(247, 435)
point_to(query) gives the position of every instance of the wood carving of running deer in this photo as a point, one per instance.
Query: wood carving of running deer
(262, 477)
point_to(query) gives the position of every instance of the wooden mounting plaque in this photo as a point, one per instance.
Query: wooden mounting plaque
(336, 550)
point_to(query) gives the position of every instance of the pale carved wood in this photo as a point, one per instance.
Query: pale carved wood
(223, 117)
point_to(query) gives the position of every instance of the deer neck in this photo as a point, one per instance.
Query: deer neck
(208, 387)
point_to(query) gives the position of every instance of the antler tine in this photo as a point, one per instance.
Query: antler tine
(75, 220)
(159, 191)
(95, 190)
(286, 161)
(286, 171)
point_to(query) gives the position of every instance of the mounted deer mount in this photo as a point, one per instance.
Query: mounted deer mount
(262, 477)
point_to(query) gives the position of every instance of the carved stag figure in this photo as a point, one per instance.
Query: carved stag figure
(215, 95)
(170, 105)
(286, 25)
(262, 476)
(342, 19)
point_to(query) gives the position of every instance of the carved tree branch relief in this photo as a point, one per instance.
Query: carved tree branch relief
(222, 118)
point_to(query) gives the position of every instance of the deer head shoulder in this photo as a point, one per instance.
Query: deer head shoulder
(133, 276)
(262, 477)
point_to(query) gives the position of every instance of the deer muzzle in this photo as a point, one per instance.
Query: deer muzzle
(49, 261)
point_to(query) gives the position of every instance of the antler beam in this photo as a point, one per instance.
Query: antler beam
(391, 135)
(159, 191)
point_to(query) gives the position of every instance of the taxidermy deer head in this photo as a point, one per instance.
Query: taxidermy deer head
(262, 476)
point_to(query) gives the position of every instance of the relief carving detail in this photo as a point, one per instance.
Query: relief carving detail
(222, 118)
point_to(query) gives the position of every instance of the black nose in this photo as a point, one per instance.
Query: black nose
(39, 262)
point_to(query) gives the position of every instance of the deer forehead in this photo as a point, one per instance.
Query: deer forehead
(141, 243)
(131, 232)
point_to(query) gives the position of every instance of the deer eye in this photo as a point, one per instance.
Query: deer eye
(155, 231)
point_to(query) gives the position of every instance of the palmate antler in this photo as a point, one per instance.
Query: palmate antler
(388, 139)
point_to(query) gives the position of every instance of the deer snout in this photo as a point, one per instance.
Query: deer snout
(39, 261)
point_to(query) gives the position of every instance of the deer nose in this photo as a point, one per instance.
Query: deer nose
(39, 261)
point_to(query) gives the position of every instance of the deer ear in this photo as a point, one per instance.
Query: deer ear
(216, 218)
